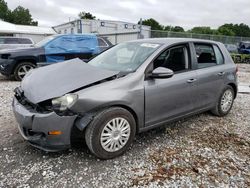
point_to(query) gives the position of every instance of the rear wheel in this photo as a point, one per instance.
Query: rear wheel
(22, 69)
(225, 102)
(110, 133)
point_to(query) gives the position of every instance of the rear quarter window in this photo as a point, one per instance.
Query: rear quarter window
(11, 41)
(219, 56)
(102, 43)
(2, 41)
(24, 41)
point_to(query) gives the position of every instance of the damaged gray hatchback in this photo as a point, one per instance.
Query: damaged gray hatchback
(130, 88)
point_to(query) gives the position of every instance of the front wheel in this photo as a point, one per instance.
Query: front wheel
(110, 133)
(225, 102)
(22, 69)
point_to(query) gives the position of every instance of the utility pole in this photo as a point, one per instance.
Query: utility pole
(140, 27)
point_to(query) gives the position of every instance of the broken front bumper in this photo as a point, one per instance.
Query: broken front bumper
(35, 127)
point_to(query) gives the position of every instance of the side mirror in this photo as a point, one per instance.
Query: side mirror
(161, 73)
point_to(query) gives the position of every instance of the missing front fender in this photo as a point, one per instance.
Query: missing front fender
(82, 123)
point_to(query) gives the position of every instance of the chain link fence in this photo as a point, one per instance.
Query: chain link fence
(219, 38)
(116, 38)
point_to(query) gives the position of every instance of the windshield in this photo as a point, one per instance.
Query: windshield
(125, 57)
(44, 41)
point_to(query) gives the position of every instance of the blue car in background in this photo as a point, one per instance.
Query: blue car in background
(244, 47)
(53, 49)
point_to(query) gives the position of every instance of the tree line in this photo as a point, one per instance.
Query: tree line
(241, 30)
(19, 15)
(228, 29)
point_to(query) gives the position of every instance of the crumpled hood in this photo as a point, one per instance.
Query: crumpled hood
(58, 79)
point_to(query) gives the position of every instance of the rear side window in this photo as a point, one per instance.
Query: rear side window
(208, 55)
(24, 41)
(11, 41)
(1, 40)
(102, 43)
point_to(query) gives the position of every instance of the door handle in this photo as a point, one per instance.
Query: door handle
(221, 73)
(191, 80)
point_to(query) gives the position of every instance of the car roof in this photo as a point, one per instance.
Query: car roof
(169, 41)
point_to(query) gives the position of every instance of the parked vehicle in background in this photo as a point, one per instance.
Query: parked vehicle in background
(15, 42)
(130, 88)
(232, 48)
(51, 50)
(244, 47)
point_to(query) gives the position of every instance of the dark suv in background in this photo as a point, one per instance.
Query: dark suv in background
(53, 49)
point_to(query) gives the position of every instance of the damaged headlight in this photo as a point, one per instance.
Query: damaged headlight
(64, 102)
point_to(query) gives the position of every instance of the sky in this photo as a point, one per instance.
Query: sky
(185, 13)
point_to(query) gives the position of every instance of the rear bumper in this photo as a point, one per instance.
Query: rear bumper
(34, 128)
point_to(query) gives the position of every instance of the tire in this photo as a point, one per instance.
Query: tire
(99, 128)
(21, 70)
(219, 109)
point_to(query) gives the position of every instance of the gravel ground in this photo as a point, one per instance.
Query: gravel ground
(201, 151)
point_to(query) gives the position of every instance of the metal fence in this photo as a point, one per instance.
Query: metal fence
(116, 38)
(221, 38)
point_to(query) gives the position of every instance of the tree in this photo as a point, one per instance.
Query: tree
(242, 30)
(173, 28)
(153, 23)
(167, 28)
(177, 29)
(22, 16)
(86, 15)
(19, 15)
(202, 30)
(224, 30)
(5, 12)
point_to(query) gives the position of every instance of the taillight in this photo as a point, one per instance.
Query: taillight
(237, 68)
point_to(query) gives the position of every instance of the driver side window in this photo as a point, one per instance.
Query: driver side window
(175, 58)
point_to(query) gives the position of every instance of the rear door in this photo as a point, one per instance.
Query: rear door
(9, 43)
(173, 97)
(211, 73)
(24, 42)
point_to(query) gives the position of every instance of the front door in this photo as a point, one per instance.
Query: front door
(166, 99)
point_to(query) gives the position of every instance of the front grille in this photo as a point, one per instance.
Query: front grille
(19, 94)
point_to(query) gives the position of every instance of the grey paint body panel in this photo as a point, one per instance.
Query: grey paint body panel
(42, 124)
(153, 102)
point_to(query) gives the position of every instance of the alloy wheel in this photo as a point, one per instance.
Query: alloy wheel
(23, 70)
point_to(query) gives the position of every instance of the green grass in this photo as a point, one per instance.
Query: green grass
(241, 58)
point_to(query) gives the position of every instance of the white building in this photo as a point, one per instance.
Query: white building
(116, 31)
(34, 32)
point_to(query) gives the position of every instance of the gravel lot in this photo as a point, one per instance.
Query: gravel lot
(202, 151)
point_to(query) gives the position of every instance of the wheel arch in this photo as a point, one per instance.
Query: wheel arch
(233, 85)
(83, 122)
(132, 112)
(21, 60)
